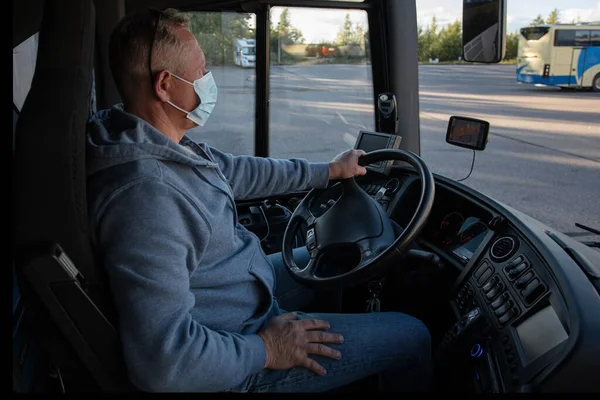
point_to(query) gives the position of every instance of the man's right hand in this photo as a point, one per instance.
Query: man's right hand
(289, 341)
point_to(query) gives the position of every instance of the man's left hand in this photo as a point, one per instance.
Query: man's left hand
(345, 165)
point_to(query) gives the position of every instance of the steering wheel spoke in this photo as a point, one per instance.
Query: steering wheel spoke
(367, 253)
(308, 272)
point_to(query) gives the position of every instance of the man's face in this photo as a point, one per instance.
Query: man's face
(182, 93)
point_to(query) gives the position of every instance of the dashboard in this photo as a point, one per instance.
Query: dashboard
(513, 301)
(525, 299)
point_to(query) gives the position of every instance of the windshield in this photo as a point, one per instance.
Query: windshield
(543, 154)
(544, 148)
(534, 33)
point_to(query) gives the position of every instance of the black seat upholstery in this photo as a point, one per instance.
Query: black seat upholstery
(61, 283)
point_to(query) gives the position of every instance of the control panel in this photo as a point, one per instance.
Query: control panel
(383, 192)
(504, 286)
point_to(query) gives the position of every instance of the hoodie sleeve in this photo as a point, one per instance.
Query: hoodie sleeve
(257, 177)
(152, 238)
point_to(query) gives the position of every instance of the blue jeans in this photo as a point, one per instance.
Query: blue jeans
(394, 345)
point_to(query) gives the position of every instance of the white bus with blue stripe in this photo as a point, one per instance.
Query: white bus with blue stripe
(564, 55)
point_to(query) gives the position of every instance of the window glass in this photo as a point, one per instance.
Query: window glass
(534, 33)
(227, 40)
(564, 37)
(582, 38)
(24, 58)
(595, 38)
(321, 86)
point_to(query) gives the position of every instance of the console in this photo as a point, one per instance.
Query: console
(511, 318)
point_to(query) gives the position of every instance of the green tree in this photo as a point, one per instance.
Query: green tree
(216, 33)
(448, 46)
(512, 46)
(284, 29)
(346, 34)
(358, 35)
(554, 17)
(422, 46)
(430, 40)
(283, 34)
(537, 21)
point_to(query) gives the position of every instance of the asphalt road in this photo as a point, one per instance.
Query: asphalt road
(543, 155)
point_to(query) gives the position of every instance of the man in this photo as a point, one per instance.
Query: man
(196, 295)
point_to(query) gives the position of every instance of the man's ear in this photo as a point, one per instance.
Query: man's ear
(162, 84)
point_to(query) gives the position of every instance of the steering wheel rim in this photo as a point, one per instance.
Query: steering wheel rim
(384, 257)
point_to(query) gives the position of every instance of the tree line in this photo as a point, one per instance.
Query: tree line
(446, 44)
(217, 31)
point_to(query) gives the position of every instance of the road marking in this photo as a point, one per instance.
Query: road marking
(339, 114)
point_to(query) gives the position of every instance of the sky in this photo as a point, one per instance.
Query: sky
(317, 25)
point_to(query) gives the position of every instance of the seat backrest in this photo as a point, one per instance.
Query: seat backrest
(60, 281)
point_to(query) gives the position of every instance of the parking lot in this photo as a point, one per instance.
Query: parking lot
(543, 155)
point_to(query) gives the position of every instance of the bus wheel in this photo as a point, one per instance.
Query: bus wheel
(596, 83)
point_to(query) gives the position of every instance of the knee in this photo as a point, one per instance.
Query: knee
(415, 338)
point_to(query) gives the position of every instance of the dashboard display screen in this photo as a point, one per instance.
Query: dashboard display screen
(370, 142)
(540, 333)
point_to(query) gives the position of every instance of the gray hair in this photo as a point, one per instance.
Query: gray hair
(130, 44)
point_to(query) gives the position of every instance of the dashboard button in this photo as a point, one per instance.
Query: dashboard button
(510, 358)
(500, 300)
(505, 340)
(531, 286)
(512, 367)
(520, 283)
(505, 307)
(507, 316)
(484, 276)
(481, 269)
(513, 273)
(490, 284)
(532, 293)
(514, 263)
(495, 291)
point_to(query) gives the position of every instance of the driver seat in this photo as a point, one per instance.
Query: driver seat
(63, 290)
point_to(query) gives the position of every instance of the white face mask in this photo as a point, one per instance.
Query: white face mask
(206, 89)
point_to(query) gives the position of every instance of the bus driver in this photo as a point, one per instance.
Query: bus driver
(201, 307)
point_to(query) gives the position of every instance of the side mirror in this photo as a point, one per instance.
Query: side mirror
(484, 30)
(469, 133)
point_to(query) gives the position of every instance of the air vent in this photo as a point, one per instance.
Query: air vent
(503, 248)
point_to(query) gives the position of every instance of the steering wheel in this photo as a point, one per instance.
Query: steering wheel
(357, 220)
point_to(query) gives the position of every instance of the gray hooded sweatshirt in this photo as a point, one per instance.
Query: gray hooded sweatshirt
(191, 285)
